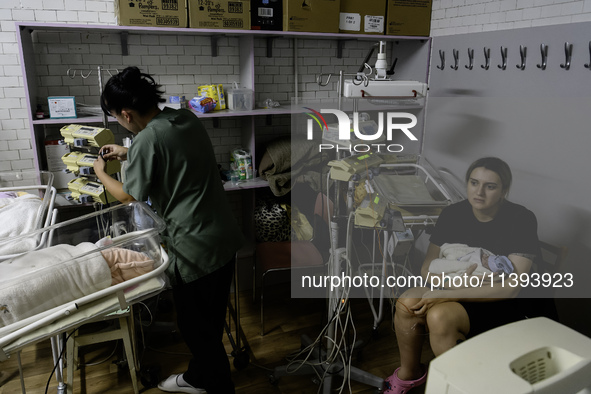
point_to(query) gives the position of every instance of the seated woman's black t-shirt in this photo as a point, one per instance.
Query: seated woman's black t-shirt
(513, 230)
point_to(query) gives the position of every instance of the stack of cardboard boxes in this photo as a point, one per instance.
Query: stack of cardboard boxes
(390, 17)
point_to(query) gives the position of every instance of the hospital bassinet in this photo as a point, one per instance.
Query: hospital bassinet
(90, 266)
(26, 204)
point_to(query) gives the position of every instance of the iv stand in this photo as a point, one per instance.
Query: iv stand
(318, 363)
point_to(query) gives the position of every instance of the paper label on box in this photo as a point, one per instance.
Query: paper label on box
(350, 21)
(374, 24)
(266, 12)
(172, 5)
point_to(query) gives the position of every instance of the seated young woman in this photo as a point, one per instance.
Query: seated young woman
(449, 315)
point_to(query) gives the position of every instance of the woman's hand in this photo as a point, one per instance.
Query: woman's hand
(429, 300)
(99, 166)
(112, 152)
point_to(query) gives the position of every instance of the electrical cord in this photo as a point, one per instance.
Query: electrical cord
(336, 340)
(58, 360)
(105, 359)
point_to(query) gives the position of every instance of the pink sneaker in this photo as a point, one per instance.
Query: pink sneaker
(395, 385)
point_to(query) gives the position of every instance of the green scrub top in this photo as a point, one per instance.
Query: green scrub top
(172, 162)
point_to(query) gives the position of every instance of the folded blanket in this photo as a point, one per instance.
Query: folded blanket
(285, 160)
(18, 216)
(46, 278)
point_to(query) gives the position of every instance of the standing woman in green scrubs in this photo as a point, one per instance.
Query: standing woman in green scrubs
(171, 161)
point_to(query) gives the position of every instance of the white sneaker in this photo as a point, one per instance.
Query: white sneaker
(176, 384)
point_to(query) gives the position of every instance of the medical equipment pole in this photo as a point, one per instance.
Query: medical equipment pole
(56, 346)
(100, 83)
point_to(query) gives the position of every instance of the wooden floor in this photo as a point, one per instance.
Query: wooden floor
(164, 352)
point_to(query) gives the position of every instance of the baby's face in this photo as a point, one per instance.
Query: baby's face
(484, 259)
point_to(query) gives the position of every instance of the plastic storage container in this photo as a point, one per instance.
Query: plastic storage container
(240, 99)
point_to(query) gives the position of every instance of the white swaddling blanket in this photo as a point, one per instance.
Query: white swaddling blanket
(18, 216)
(46, 278)
(455, 259)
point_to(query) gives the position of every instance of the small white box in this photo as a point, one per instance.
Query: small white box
(62, 107)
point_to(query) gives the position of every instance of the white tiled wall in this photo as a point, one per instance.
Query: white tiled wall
(184, 62)
(468, 16)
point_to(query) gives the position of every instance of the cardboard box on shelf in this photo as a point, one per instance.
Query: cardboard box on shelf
(266, 15)
(366, 17)
(219, 14)
(319, 16)
(408, 18)
(151, 13)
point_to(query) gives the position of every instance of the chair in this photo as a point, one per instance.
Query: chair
(287, 255)
(551, 259)
(540, 301)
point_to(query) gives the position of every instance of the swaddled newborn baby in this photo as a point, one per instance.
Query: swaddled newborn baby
(47, 278)
(456, 259)
(495, 263)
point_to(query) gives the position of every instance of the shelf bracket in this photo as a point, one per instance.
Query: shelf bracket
(270, 46)
(340, 45)
(214, 46)
(123, 37)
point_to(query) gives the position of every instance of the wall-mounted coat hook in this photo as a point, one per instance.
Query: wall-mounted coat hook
(503, 65)
(544, 51)
(588, 65)
(568, 54)
(470, 65)
(486, 64)
(442, 57)
(319, 79)
(523, 55)
(456, 54)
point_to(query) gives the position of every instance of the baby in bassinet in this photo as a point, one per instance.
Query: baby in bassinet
(50, 277)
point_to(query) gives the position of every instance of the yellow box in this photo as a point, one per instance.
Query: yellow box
(153, 13)
(319, 16)
(215, 92)
(363, 17)
(408, 18)
(219, 14)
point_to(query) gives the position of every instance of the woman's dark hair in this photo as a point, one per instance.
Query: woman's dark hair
(131, 89)
(493, 164)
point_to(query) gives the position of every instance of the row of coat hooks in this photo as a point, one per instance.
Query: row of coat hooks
(568, 53)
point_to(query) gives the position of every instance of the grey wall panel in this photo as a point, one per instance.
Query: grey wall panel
(539, 121)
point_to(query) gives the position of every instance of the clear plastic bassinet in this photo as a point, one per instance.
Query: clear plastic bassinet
(89, 266)
(26, 204)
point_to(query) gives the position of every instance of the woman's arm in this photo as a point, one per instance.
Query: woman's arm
(112, 185)
(433, 252)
